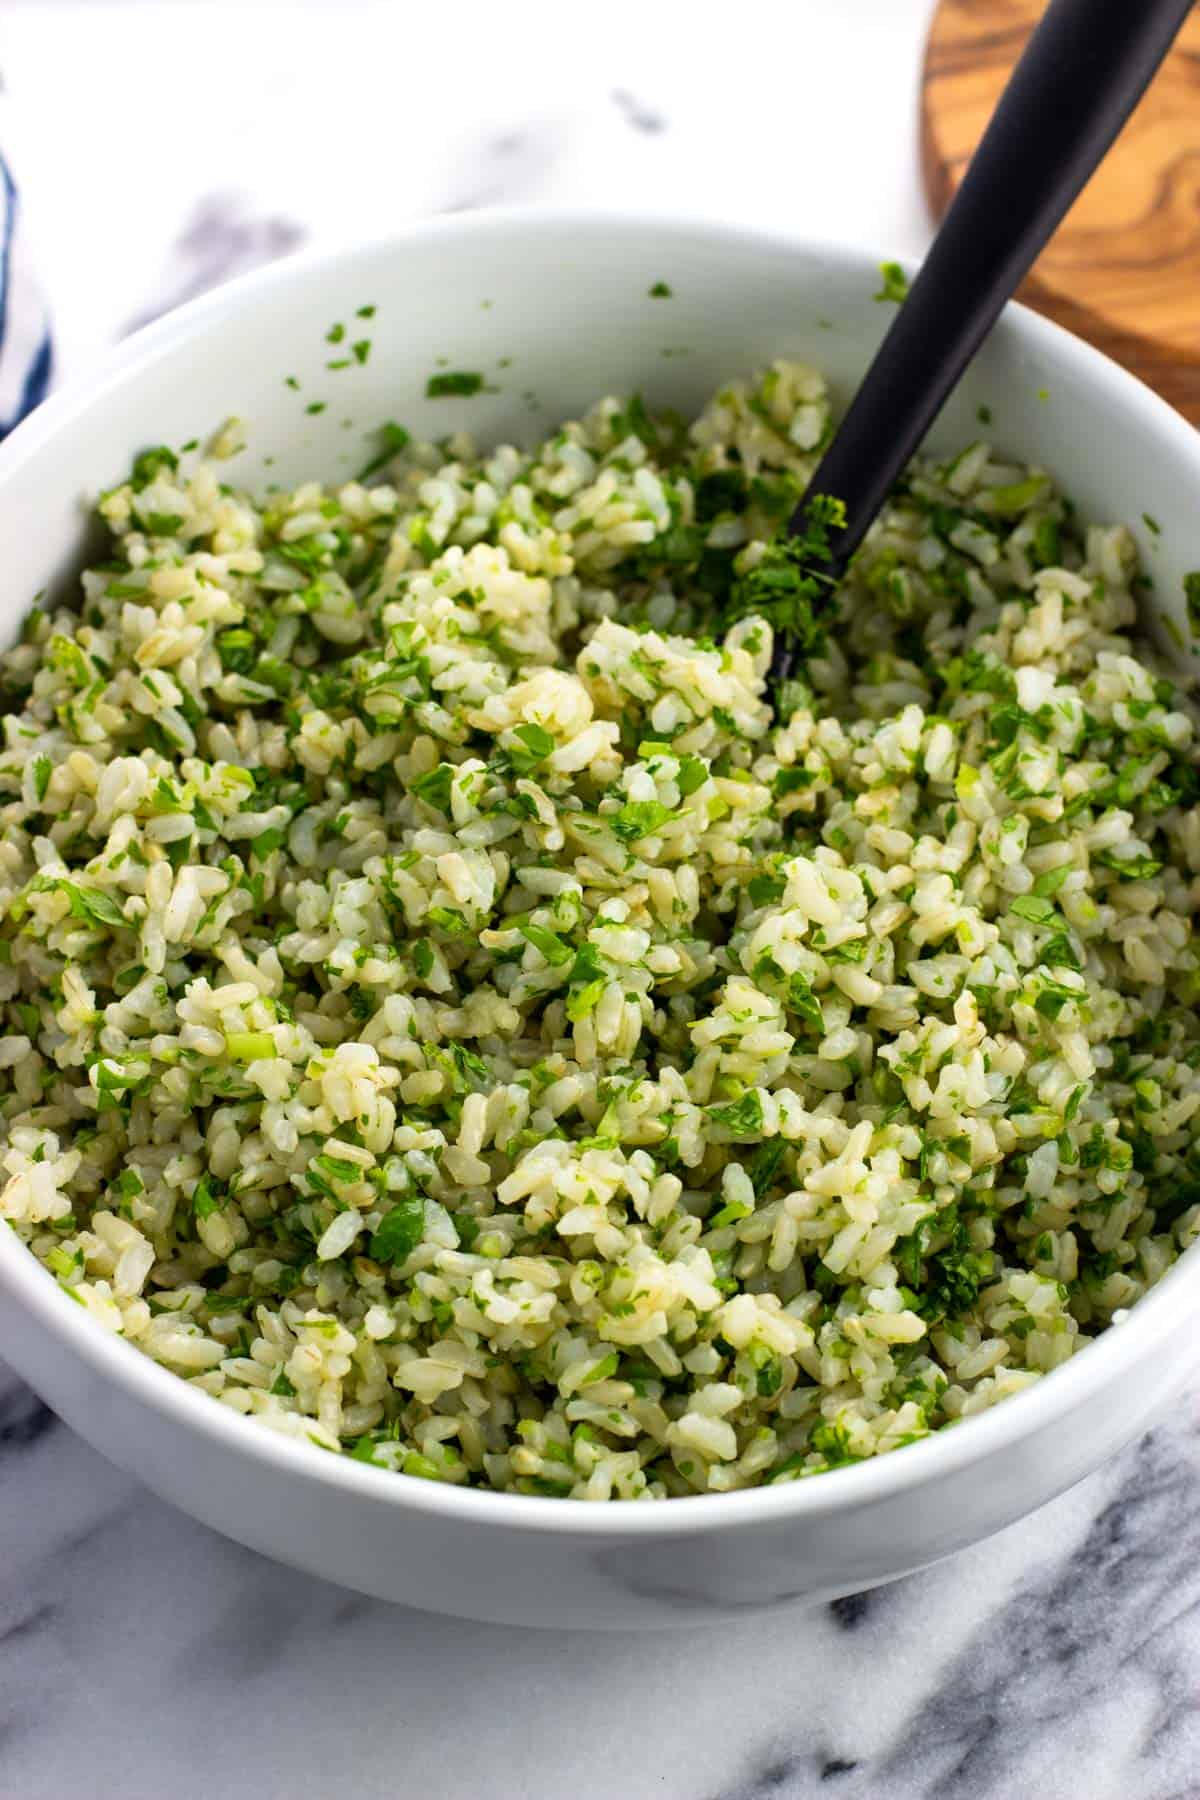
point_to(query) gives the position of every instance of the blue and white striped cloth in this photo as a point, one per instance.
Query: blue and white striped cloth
(26, 346)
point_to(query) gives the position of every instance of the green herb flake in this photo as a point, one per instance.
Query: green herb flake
(584, 1000)
(92, 906)
(551, 947)
(790, 585)
(1050, 881)
(639, 818)
(150, 464)
(454, 383)
(895, 283)
(394, 439)
(1129, 868)
(207, 1198)
(693, 773)
(743, 1117)
(400, 1230)
(1034, 908)
(434, 787)
(1191, 592)
(162, 524)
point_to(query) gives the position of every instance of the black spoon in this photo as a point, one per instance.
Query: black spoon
(1083, 72)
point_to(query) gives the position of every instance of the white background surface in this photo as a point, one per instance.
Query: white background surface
(159, 145)
(345, 116)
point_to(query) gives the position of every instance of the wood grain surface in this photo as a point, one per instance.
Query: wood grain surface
(1123, 269)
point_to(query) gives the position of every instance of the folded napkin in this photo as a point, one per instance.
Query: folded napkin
(26, 346)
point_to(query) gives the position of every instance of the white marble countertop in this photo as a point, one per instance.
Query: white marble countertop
(162, 147)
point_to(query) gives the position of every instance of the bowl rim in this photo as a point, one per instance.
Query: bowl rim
(1149, 1324)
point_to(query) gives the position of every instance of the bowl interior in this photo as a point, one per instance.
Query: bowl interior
(313, 357)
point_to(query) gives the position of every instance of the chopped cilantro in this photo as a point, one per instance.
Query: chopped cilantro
(638, 818)
(802, 1001)
(400, 1230)
(1191, 591)
(434, 787)
(1017, 497)
(394, 438)
(1050, 881)
(743, 1117)
(536, 745)
(1129, 868)
(693, 773)
(457, 382)
(206, 1198)
(895, 283)
(1034, 908)
(238, 649)
(765, 1165)
(151, 464)
(765, 890)
(92, 906)
(552, 948)
(790, 586)
(584, 1000)
(162, 524)
(852, 950)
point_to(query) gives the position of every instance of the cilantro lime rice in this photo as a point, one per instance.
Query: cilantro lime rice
(450, 1016)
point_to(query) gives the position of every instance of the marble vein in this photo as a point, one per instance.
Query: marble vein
(222, 236)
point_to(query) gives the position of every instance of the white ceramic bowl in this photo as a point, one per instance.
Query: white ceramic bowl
(555, 310)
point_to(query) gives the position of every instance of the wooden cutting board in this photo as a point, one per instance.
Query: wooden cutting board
(1123, 269)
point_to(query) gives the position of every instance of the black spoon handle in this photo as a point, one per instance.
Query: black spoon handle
(1082, 74)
